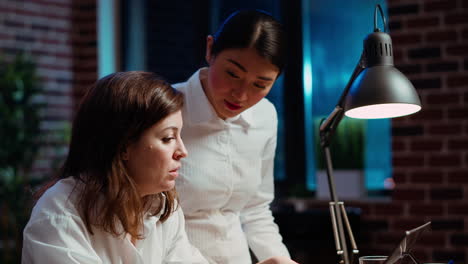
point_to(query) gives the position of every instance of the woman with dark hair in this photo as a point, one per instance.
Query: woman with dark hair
(226, 184)
(114, 201)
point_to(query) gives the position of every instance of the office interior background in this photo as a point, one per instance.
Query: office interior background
(392, 174)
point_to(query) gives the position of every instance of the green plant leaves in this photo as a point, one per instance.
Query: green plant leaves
(346, 145)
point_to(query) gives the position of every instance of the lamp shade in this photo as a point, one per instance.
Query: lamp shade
(381, 92)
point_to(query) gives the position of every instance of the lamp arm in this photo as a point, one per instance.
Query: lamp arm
(337, 211)
(328, 126)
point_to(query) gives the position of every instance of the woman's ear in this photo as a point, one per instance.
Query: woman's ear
(209, 45)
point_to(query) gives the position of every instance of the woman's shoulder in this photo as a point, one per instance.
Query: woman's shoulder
(58, 200)
(193, 80)
(264, 111)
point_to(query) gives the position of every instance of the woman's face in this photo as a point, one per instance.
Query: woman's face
(237, 79)
(153, 160)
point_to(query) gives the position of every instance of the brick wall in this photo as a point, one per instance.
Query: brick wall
(430, 149)
(60, 35)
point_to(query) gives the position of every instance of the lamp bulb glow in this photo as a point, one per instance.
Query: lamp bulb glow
(377, 111)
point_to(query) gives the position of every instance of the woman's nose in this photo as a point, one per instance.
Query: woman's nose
(240, 93)
(181, 152)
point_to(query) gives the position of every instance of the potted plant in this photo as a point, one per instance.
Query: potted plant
(347, 154)
(19, 134)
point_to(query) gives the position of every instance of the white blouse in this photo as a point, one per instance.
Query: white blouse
(57, 234)
(226, 182)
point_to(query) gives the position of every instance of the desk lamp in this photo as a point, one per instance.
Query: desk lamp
(376, 89)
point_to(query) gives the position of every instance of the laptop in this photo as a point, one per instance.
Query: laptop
(406, 244)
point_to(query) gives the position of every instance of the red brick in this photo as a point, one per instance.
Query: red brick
(413, 194)
(424, 53)
(459, 239)
(398, 54)
(427, 176)
(426, 145)
(405, 9)
(432, 239)
(465, 34)
(54, 3)
(444, 160)
(14, 24)
(458, 113)
(455, 224)
(445, 66)
(457, 50)
(408, 161)
(441, 36)
(445, 129)
(457, 209)
(445, 194)
(398, 145)
(425, 22)
(55, 67)
(389, 209)
(426, 210)
(438, 6)
(50, 41)
(458, 144)
(407, 69)
(400, 177)
(427, 83)
(389, 238)
(406, 38)
(394, 25)
(456, 19)
(44, 13)
(443, 98)
(404, 131)
(458, 176)
(428, 114)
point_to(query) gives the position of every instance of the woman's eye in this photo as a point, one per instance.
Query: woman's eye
(167, 139)
(259, 86)
(232, 74)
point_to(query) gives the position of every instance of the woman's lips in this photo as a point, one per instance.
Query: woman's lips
(232, 106)
(174, 173)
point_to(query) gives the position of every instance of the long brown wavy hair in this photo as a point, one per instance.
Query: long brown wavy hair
(114, 113)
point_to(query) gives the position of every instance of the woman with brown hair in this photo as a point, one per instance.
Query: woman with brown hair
(114, 200)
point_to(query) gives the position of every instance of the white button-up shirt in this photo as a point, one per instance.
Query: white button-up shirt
(226, 182)
(57, 234)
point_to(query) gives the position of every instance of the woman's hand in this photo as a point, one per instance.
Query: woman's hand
(278, 260)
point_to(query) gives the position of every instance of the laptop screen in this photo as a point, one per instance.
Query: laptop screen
(406, 244)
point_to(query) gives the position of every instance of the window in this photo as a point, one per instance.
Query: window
(322, 58)
(333, 34)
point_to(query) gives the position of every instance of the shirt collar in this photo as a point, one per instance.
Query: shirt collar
(245, 118)
(199, 107)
